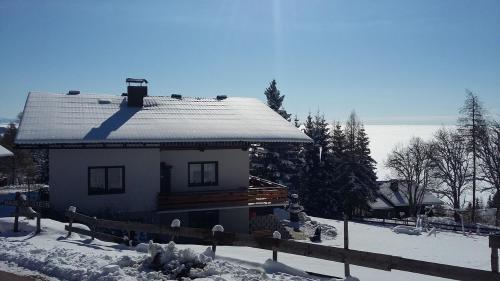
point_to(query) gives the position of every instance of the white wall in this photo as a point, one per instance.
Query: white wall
(68, 170)
(233, 168)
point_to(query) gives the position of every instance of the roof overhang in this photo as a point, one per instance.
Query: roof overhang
(177, 145)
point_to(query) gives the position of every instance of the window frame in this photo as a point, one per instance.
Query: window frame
(203, 173)
(93, 191)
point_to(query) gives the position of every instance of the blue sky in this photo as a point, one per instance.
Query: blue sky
(394, 62)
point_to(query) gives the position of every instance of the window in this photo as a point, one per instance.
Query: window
(106, 180)
(203, 173)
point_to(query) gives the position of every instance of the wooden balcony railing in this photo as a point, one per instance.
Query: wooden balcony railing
(259, 193)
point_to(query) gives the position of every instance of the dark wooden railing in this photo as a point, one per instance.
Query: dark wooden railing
(260, 192)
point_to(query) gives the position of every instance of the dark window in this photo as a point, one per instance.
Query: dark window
(203, 173)
(106, 180)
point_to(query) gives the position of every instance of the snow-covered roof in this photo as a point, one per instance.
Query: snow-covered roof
(90, 119)
(397, 197)
(4, 152)
(380, 204)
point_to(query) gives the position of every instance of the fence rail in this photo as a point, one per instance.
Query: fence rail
(355, 257)
(23, 209)
(444, 226)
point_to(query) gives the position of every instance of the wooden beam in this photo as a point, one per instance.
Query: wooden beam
(101, 236)
(494, 240)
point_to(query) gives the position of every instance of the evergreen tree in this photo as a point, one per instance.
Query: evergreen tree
(363, 152)
(296, 121)
(317, 193)
(275, 100)
(355, 177)
(472, 125)
(21, 164)
(338, 141)
(276, 161)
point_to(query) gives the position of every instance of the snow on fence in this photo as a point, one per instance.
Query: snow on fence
(347, 256)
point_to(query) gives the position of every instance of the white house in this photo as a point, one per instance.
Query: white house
(155, 156)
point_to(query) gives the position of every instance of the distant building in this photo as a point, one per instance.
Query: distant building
(4, 152)
(155, 156)
(392, 200)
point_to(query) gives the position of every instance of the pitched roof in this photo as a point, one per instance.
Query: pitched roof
(4, 152)
(380, 204)
(89, 118)
(398, 198)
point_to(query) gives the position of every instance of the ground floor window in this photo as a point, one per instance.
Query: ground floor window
(106, 180)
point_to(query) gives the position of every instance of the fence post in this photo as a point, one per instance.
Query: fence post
(38, 223)
(216, 228)
(16, 219)
(72, 210)
(494, 244)
(347, 270)
(16, 214)
(277, 237)
(175, 226)
(93, 227)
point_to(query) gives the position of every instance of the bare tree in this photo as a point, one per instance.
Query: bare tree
(472, 125)
(489, 154)
(452, 166)
(413, 165)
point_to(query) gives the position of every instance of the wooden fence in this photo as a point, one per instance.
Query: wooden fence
(22, 210)
(348, 256)
(444, 226)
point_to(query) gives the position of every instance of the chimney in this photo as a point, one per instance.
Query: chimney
(394, 185)
(136, 91)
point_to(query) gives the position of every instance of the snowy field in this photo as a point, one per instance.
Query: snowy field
(79, 258)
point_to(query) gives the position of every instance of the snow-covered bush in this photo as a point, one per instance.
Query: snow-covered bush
(327, 231)
(303, 217)
(177, 263)
(407, 230)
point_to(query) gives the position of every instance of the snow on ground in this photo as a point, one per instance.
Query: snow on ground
(79, 258)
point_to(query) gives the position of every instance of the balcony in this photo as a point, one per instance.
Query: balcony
(260, 193)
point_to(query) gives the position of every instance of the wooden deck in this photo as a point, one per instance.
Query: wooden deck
(259, 193)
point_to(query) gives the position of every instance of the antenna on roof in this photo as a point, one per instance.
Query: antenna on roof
(136, 81)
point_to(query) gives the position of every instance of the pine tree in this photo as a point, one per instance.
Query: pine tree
(275, 161)
(296, 121)
(355, 176)
(472, 125)
(338, 141)
(275, 100)
(363, 152)
(317, 192)
(21, 164)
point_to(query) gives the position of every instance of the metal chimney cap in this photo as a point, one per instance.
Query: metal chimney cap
(136, 80)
